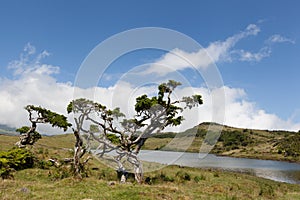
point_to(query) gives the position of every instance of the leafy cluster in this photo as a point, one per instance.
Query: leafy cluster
(15, 159)
(29, 135)
(161, 109)
(47, 116)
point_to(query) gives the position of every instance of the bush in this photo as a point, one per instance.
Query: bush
(159, 178)
(199, 178)
(60, 172)
(233, 139)
(15, 159)
(183, 176)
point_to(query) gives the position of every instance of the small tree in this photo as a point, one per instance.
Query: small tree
(29, 135)
(153, 114)
(30, 138)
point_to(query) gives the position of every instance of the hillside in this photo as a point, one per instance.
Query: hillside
(5, 130)
(236, 142)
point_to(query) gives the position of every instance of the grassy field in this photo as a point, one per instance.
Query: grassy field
(170, 182)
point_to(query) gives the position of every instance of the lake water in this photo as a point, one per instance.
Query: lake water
(274, 170)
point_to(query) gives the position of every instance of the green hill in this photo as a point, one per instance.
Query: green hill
(236, 142)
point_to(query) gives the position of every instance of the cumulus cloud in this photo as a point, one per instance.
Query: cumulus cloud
(239, 112)
(34, 83)
(216, 51)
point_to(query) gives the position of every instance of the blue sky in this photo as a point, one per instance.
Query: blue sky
(69, 30)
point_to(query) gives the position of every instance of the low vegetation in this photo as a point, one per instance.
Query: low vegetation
(44, 180)
(40, 171)
(15, 159)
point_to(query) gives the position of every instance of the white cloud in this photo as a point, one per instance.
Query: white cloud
(239, 112)
(279, 39)
(250, 56)
(217, 51)
(245, 114)
(264, 52)
(36, 85)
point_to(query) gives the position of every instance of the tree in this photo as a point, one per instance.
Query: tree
(31, 138)
(153, 114)
(29, 135)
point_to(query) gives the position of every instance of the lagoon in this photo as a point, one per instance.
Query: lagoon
(273, 170)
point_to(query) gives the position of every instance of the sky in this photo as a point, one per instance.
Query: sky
(254, 46)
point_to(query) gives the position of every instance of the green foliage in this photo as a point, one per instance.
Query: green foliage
(116, 113)
(113, 138)
(15, 159)
(143, 103)
(70, 107)
(289, 145)
(61, 172)
(35, 136)
(199, 178)
(201, 133)
(159, 178)
(56, 120)
(165, 135)
(23, 129)
(192, 101)
(234, 139)
(147, 107)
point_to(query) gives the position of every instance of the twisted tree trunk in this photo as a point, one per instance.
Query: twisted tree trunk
(27, 138)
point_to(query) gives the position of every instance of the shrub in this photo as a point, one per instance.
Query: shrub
(289, 145)
(15, 159)
(199, 178)
(158, 178)
(233, 139)
(183, 176)
(166, 178)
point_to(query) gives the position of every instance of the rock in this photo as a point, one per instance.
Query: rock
(24, 190)
(111, 183)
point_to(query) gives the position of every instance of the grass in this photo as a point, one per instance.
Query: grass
(170, 182)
